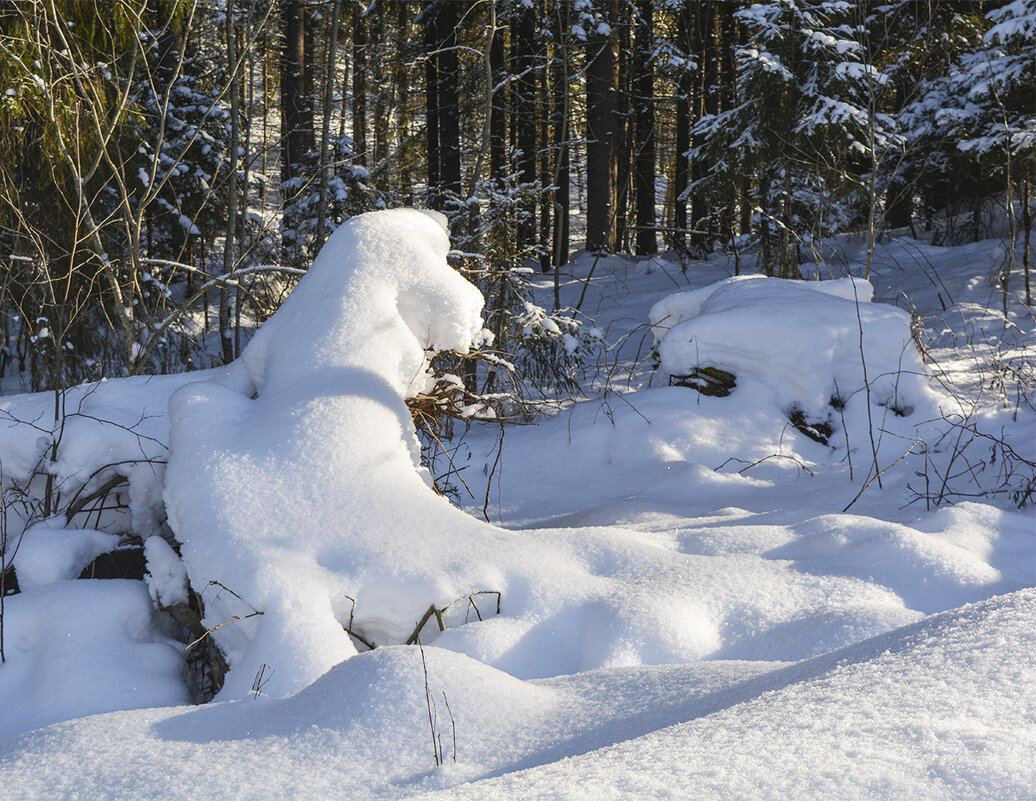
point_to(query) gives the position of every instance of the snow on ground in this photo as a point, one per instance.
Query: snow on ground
(696, 599)
(942, 709)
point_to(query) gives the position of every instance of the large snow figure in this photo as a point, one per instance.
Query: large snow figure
(299, 486)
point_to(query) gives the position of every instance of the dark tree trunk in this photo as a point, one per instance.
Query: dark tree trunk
(526, 116)
(602, 86)
(1027, 229)
(546, 178)
(683, 134)
(431, 93)
(226, 297)
(644, 132)
(709, 34)
(624, 152)
(560, 117)
(379, 71)
(360, 86)
(296, 108)
(498, 120)
(325, 124)
(449, 107)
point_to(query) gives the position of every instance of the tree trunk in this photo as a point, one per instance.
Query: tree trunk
(644, 132)
(602, 86)
(296, 112)
(225, 296)
(431, 99)
(378, 69)
(360, 87)
(546, 175)
(296, 118)
(707, 101)
(624, 148)
(1027, 228)
(560, 116)
(449, 106)
(684, 88)
(498, 119)
(325, 130)
(525, 117)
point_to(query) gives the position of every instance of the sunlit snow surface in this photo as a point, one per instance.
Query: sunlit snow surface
(686, 609)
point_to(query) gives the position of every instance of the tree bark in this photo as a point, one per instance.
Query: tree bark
(625, 146)
(296, 109)
(225, 296)
(644, 132)
(1027, 228)
(449, 105)
(560, 116)
(431, 101)
(325, 129)
(602, 86)
(296, 119)
(525, 116)
(498, 120)
(359, 100)
(684, 87)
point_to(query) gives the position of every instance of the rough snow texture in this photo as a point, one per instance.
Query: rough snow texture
(942, 709)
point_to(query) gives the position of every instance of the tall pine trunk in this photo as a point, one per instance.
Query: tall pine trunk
(602, 87)
(325, 129)
(560, 117)
(449, 104)
(431, 100)
(296, 119)
(226, 297)
(525, 117)
(644, 131)
(625, 145)
(684, 87)
(359, 100)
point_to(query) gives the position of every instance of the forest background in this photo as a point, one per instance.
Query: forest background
(169, 167)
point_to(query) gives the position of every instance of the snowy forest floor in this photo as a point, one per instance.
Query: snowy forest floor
(710, 606)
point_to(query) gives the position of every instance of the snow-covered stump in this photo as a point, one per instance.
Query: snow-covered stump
(304, 493)
(840, 369)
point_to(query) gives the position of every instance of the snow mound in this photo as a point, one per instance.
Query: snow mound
(76, 648)
(48, 552)
(300, 503)
(806, 342)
